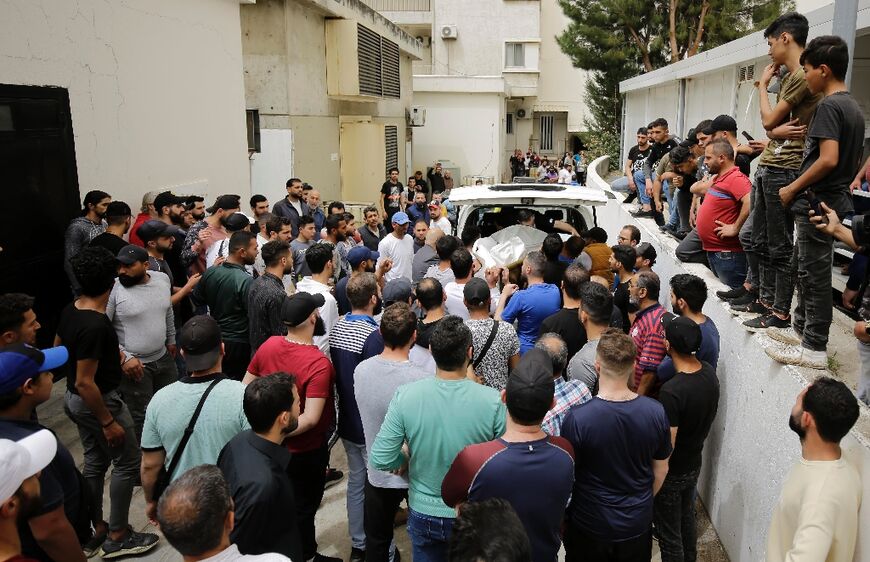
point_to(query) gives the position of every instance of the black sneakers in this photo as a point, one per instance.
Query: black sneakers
(133, 543)
(732, 293)
(765, 321)
(357, 555)
(747, 298)
(333, 477)
(753, 307)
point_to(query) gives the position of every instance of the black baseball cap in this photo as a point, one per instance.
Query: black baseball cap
(530, 386)
(724, 123)
(297, 308)
(225, 202)
(153, 229)
(682, 333)
(118, 209)
(167, 199)
(476, 291)
(201, 341)
(646, 251)
(397, 290)
(236, 222)
(132, 253)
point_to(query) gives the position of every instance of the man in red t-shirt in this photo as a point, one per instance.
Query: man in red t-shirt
(296, 354)
(723, 212)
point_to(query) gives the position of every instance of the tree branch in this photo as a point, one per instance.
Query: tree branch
(696, 44)
(641, 44)
(672, 30)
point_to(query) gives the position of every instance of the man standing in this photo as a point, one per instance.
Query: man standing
(141, 313)
(596, 307)
(292, 207)
(255, 464)
(18, 323)
(146, 212)
(437, 218)
(314, 205)
(93, 403)
(462, 263)
(267, 294)
(621, 442)
(566, 393)
(373, 231)
(259, 205)
(336, 234)
(398, 247)
(690, 399)
(566, 322)
(529, 306)
(443, 271)
(646, 331)
(436, 178)
(300, 245)
(525, 466)
(622, 262)
(169, 412)
(315, 378)
(417, 209)
(319, 260)
(347, 341)
(437, 417)
(118, 217)
(208, 231)
(817, 514)
(392, 197)
(362, 260)
(224, 289)
(171, 213)
(421, 229)
(427, 256)
(83, 229)
(723, 212)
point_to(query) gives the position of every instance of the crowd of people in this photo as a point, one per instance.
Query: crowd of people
(570, 168)
(214, 358)
(767, 235)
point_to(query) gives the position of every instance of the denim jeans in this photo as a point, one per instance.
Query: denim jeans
(674, 517)
(429, 536)
(137, 394)
(673, 207)
(641, 188)
(729, 267)
(690, 249)
(745, 238)
(815, 254)
(773, 244)
(864, 377)
(125, 458)
(357, 459)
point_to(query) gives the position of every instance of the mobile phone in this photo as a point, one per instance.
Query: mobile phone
(747, 136)
(815, 203)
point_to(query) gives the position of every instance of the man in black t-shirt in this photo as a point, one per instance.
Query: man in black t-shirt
(633, 169)
(566, 322)
(690, 400)
(118, 219)
(392, 198)
(93, 403)
(663, 143)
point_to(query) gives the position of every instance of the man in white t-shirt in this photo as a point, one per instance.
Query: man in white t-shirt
(398, 246)
(437, 218)
(461, 263)
(319, 260)
(565, 174)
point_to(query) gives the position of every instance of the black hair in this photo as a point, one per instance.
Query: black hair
(12, 309)
(649, 280)
(660, 122)
(446, 245)
(95, 268)
(305, 220)
(430, 293)
(833, 407)
(574, 246)
(461, 262)
(335, 205)
(635, 233)
(418, 221)
(829, 50)
(291, 181)
(266, 398)
(369, 209)
(450, 341)
(360, 289)
(398, 324)
(348, 217)
(393, 169)
(552, 246)
(470, 234)
(702, 126)
(240, 241)
(489, 531)
(275, 223)
(793, 23)
(597, 234)
(273, 251)
(93, 198)
(117, 213)
(524, 215)
(679, 155)
(317, 256)
(642, 131)
(307, 186)
(332, 222)
(255, 199)
(573, 280)
(626, 255)
(691, 289)
(193, 509)
(597, 302)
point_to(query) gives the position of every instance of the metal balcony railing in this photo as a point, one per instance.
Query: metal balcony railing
(399, 5)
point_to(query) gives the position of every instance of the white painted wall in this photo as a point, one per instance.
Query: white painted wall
(560, 83)
(273, 166)
(155, 88)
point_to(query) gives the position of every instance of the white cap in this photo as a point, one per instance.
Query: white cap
(19, 460)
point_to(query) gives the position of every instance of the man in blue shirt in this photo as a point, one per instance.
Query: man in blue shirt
(688, 294)
(532, 305)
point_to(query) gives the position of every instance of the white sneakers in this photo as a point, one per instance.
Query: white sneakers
(783, 335)
(799, 356)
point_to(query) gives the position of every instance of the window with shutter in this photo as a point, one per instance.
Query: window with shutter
(391, 141)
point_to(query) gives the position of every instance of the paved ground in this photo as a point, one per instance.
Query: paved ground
(331, 519)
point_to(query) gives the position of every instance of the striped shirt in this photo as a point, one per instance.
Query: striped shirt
(536, 477)
(347, 347)
(567, 394)
(649, 338)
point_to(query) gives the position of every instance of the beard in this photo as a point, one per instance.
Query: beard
(197, 216)
(30, 507)
(319, 327)
(290, 428)
(177, 220)
(130, 280)
(795, 425)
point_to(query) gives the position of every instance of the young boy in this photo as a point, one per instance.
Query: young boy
(305, 240)
(773, 239)
(831, 157)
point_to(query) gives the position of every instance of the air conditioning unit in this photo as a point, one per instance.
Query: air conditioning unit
(522, 113)
(449, 32)
(425, 41)
(417, 116)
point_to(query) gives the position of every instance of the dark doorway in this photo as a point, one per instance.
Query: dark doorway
(39, 182)
(577, 144)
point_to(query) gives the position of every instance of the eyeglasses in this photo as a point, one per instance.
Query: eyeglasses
(622, 239)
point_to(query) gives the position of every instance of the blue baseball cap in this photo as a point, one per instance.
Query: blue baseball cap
(360, 254)
(400, 218)
(20, 362)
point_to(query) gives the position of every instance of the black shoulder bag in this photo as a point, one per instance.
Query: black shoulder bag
(486, 346)
(165, 474)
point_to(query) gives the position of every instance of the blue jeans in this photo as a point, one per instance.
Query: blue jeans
(641, 188)
(429, 536)
(357, 459)
(729, 267)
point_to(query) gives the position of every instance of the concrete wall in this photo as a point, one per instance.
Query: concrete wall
(750, 448)
(284, 45)
(155, 86)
